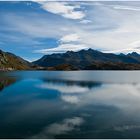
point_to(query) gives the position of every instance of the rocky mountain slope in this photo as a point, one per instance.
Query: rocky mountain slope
(9, 61)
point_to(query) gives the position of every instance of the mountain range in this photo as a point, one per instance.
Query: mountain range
(81, 60)
(89, 59)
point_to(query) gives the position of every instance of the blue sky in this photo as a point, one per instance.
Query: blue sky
(33, 28)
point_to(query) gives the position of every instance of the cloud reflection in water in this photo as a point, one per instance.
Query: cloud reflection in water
(60, 128)
(122, 96)
(42, 107)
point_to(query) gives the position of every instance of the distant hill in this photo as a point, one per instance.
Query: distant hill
(89, 59)
(9, 61)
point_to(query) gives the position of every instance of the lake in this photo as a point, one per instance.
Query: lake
(72, 104)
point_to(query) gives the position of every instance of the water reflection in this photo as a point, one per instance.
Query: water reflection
(39, 107)
(88, 84)
(69, 89)
(63, 127)
(4, 82)
(92, 76)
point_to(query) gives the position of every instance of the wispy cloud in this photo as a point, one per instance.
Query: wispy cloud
(131, 8)
(63, 9)
(69, 38)
(62, 48)
(85, 21)
(106, 26)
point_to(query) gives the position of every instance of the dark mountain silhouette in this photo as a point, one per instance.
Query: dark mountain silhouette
(89, 59)
(134, 55)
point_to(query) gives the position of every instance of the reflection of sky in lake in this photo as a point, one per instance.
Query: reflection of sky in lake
(42, 106)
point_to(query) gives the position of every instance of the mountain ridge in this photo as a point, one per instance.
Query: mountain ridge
(81, 60)
(84, 58)
(9, 61)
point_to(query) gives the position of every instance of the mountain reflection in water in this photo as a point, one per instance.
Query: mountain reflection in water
(87, 104)
(6, 81)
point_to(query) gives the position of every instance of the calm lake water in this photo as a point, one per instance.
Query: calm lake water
(78, 104)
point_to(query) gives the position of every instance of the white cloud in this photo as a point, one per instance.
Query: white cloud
(63, 9)
(135, 44)
(131, 8)
(132, 47)
(69, 38)
(85, 21)
(105, 33)
(102, 27)
(62, 48)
